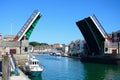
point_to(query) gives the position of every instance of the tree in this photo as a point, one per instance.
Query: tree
(34, 43)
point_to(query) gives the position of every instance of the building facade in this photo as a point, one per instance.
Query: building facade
(7, 45)
(116, 36)
(62, 48)
(76, 47)
(113, 46)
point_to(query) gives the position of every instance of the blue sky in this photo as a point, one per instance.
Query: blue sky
(57, 24)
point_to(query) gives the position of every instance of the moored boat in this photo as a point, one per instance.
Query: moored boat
(34, 68)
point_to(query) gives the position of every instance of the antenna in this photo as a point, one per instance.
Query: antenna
(11, 27)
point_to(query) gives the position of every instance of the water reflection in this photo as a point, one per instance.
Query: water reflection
(64, 68)
(61, 68)
(101, 72)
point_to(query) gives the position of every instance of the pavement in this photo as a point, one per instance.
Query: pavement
(22, 76)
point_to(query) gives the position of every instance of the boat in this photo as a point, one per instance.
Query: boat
(55, 54)
(32, 67)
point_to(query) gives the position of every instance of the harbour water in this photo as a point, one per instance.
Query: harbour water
(64, 68)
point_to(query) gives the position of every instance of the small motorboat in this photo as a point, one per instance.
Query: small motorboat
(34, 69)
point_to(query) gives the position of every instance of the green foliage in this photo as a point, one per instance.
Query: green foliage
(37, 43)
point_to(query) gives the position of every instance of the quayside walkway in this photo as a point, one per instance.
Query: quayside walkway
(22, 76)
